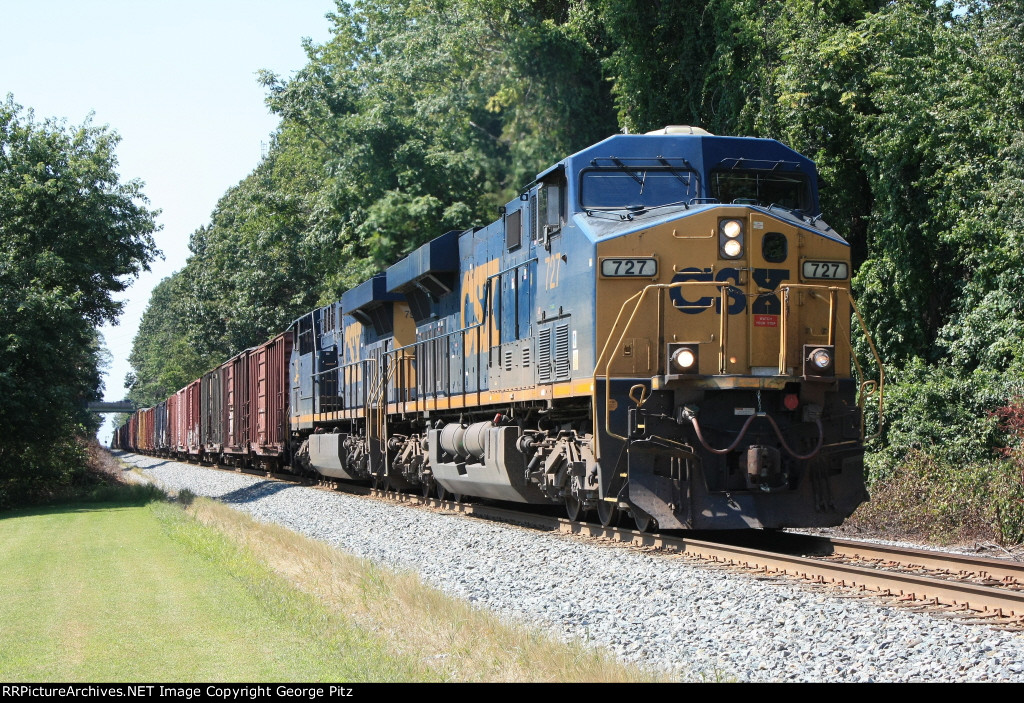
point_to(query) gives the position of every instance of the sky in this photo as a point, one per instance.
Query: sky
(176, 79)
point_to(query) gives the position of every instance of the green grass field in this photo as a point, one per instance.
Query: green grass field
(194, 591)
(109, 593)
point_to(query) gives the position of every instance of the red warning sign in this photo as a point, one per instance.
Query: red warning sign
(766, 320)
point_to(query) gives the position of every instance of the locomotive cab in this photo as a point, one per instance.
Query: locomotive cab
(724, 390)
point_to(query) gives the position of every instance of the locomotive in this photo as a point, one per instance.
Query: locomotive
(657, 327)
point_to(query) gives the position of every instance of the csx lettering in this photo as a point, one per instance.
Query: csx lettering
(768, 303)
(764, 304)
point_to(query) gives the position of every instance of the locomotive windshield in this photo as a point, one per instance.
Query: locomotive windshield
(636, 188)
(788, 190)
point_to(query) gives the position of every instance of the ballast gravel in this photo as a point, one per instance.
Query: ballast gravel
(698, 623)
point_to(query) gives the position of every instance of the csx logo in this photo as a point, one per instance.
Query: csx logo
(685, 300)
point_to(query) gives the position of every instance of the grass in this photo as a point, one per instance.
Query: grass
(195, 591)
(112, 593)
(462, 642)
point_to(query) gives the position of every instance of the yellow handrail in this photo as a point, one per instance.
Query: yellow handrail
(637, 300)
(869, 387)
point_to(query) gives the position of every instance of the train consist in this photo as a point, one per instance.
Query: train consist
(657, 327)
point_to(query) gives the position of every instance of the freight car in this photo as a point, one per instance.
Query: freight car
(659, 326)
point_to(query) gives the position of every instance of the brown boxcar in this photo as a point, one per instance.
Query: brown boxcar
(193, 436)
(211, 408)
(145, 430)
(180, 438)
(172, 425)
(235, 373)
(268, 399)
(133, 432)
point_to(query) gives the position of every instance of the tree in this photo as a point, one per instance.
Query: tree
(419, 116)
(429, 115)
(162, 356)
(414, 119)
(72, 235)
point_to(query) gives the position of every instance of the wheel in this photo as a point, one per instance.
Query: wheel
(574, 508)
(442, 493)
(427, 486)
(608, 513)
(644, 522)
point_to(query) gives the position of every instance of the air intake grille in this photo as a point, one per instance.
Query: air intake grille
(544, 370)
(561, 352)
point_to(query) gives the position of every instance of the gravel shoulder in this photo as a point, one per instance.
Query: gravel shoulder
(656, 610)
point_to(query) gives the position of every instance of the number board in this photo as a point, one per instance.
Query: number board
(645, 267)
(826, 269)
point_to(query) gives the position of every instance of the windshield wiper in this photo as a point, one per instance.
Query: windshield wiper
(608, 211)
(631, 173)
(672, 169)
(633, 209)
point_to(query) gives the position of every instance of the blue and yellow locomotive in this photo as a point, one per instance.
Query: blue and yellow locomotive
(659, 326)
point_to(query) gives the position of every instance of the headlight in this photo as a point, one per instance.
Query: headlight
(730, 239)
(683, 358)
(732, 228)
(819, 361)
(821, 358)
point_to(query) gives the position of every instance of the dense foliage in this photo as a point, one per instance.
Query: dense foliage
(72, 235)
(415, 118)
(419, 116)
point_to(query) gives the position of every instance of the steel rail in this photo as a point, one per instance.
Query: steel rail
(988, 601)
(1005, 570)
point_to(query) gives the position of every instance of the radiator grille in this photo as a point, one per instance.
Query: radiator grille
(544, 369)
(561, 352)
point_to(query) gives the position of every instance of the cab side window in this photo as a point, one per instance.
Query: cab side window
(550, 208)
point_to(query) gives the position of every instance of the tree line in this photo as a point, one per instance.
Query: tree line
(420, 116)
(71, 236)
(416, 117)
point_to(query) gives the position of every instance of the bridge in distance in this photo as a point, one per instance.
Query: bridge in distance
(117, 406)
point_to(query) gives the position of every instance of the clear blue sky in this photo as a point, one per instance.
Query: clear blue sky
(177, 80)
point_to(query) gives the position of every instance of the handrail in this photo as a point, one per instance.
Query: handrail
(867, 387)
(485, 319)
(342, 369)
(637, 300)
(879, 387)
(378, 391)
(784, 317)
(402, 354)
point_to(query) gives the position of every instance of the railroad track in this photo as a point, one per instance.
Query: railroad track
(974, 589)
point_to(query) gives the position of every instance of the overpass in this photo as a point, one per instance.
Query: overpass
(117, 406)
